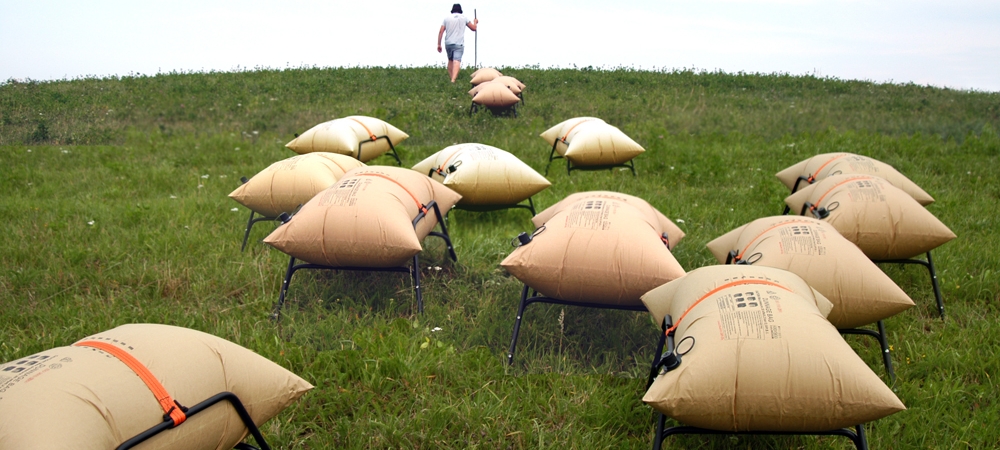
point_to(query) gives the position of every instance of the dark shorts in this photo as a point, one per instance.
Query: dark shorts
(454, 52)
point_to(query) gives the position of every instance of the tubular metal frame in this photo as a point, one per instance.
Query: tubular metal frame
(233, 400)
(413, 269)
(392, 149)
(630, 164)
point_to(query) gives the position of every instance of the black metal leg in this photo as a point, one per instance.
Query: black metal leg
(415, 270)
(233, 400)
(934, 283)
(246, 234)
(276, 313)
(654, 369)
(517, 325)
(661, 423)
(879, 335)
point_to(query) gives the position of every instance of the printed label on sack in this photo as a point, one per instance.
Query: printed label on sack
(865, 191)
(801, 240)
(861, 164)
(346, 192)
(748, 315)
(592, 214)
(27, 369)
(288, 164)
(484, 154)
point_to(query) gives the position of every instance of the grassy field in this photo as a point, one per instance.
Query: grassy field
(116, 211)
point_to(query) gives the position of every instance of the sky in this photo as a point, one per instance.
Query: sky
(954, 44)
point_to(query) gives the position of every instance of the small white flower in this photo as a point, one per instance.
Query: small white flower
(90, 223)
(436, 329)
(186, 227)
(671, 167)
(205, 176)
(437, 268)
(239, 104)
(234, 209)
(223, 176)
(201, 186)
(237, 149)
(680, 220)
(29, 150)
(64, 151)
(173, 196)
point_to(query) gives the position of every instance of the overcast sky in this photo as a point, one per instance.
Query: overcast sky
(941, 43)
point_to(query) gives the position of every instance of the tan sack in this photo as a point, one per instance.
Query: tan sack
(358, 136)
(824, 165)
(561, 130)
(365, 220)
(762, 356)
(812, 249)
(881, 219)
(286, 184)
(661, 224)
(595, 250)
(83, 398)
(495, 95)
(483, 175)
(485, 74)
(512, 83)
(596, 143)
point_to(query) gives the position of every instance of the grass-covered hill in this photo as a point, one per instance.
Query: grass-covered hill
(114, 195)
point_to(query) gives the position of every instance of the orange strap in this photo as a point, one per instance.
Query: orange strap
(170, 406)
(563, 139)
(440, 170)
(812, 176)
(828, 191)
(713, 291)
(740, 255)
(370, 134)
(420, 206)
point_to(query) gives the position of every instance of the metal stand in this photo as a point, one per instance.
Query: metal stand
(474, 108)
(246, 233)
(413, 270)
(883, 344)
(630, 164)
(929, 264)
(795, 189)
(525, 301)
(392, 148)
(857, 436)
(233, 400)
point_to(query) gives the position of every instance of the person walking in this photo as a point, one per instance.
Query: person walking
(453, 31)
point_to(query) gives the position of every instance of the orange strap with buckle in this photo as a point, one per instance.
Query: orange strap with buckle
(740, 255)
(170, 406)
(370, 134)
(812, 177)
(713, 291)
(828, 191)
(563, 139)
(420, 206)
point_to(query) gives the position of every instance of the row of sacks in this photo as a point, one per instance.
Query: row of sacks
(105, 389)
(492, 89)
(608, 248)
(869, 202)
(482, 175)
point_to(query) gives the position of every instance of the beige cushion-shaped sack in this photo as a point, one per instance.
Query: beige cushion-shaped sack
(362, 137)
(81, 397)
(286, 184)
(812, 249)
(596, 143)
(762, 356)
(483, 175)
(495, 95)
(602, 251)
(365, 220)
(661, 224)
(515, 86)
(824, 165)
(560, 132)
(881, 219)
(485, 74)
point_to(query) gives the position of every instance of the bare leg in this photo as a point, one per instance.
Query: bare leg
(453, 68)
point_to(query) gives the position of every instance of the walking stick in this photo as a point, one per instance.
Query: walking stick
(475, 53)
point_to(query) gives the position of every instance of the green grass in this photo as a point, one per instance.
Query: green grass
(149, 161)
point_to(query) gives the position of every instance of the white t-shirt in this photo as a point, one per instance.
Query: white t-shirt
(454, 29)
